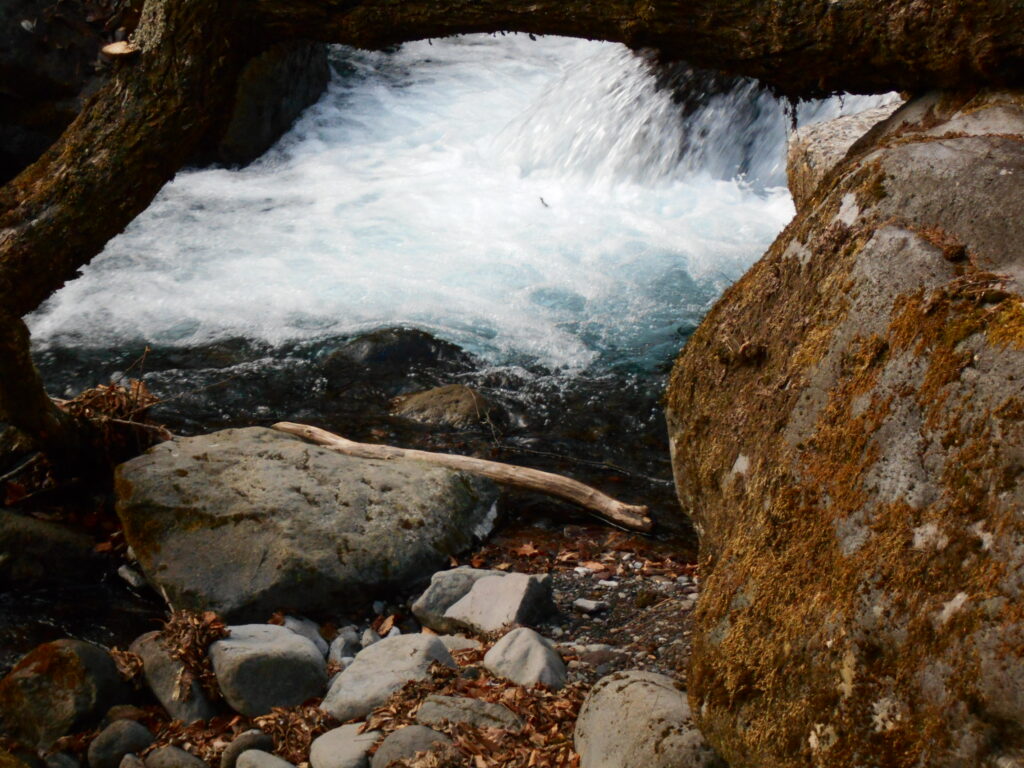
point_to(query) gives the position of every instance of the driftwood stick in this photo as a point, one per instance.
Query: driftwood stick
(626, 515)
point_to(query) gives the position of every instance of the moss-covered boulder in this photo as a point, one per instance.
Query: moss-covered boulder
(847, 428)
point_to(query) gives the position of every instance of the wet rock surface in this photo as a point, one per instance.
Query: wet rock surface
(853, 407)
(250, 521)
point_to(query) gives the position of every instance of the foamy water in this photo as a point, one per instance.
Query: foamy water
(529, 200)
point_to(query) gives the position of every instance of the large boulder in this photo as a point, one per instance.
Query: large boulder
(847, 428)
(249, 521)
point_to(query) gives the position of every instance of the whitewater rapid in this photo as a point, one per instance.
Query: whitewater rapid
(531, 200)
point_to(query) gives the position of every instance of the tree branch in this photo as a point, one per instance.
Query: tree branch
(626, 515)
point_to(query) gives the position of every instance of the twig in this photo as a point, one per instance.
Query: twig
(631, 516)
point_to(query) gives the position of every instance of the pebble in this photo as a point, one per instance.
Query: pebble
(608, 583)
(370, 637)
(589, 606)
(133, 577)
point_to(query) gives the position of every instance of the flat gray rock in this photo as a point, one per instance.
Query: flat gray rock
(115, 741)
(526, 658)
(251, 521)
(161, 672)
(459, 709)
(446, 588)
(496, 602)
(261, 666)
(380, 670)
(460, 643)
(257, 758)
(632, 719)
(405, 743)
(343, 747)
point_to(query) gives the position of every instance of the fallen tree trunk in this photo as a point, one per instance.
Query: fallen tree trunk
(799, 47)
(626, 515)
(185, 56)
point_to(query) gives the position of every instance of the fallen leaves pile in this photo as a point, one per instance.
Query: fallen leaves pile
(546, 741)
(597, 550)
(187, 636)
(294, 729)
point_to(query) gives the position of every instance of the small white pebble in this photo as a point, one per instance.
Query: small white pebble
(133, 577)
(589, 606)
(608, 583)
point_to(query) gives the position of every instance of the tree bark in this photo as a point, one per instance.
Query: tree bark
(138, 130)
(128, 141)
(799, 47)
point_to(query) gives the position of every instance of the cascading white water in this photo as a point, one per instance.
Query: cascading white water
(529, 200)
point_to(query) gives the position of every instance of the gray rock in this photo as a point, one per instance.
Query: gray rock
(446, 588)
(495, 602)
(460, 643)
(345, 645)
(249, 521)
(262, 666)
(251, 739)
(36, 551)
(343, 747)
(117, 740)
(161, 672)
(369, 637)
(273, 89)
(589, 606)
(524, 657)
(816, 149)
(62, 760)
(405, 743)
(257, 758)
(454, 405)
(458, 709)
(876, 408)
(309, 630)
(132, 761)
(632, 719)
(380, 670)
(57, 689)
(173, 757)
